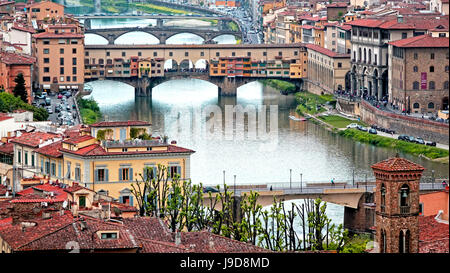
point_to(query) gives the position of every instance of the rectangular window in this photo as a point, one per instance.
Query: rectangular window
(46, 60)
(74, 51)
(46, 79)
(61, 61)
(217, 54)
(74, 61)
(74, 78)
(77, 173)
(432, 56)
(53, 169)
(26, 158)
(32, 160)
(46, 51)
(68, 78)
(74, 70)
(68, 170)
(61, 51)
(155, 54)
(109, 235)
(123, 54)
(124, 174)
(61, 70)
(174, 170)
(46, 69)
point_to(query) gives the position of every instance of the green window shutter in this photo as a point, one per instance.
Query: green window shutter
(179, 170)
(42, 165)
(130, 175)
(120, 174)
(59, 169)
(131, 200)
(106, 175)
(155, 172)
(95, 175)
(120, 199)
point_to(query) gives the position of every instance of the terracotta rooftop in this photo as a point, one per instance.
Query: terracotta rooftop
(44, 35)
(120, 123)
(7, 148)
(396, 164)
(75, 139)
(51, 150)
(326, 51)
(409, 22)
(14, 58)
(422, 41)
(433, 235)
(33, 139)
(98, 150)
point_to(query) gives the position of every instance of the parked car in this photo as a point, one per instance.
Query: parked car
(60, 96)
(48, 101)
(210, 189)
(362, 128)
(352, 126)
(412, 139)
(419, 140)
(403, 137)
(431, 143)
(372, 131)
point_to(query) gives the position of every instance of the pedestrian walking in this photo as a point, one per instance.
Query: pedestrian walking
(332, 181)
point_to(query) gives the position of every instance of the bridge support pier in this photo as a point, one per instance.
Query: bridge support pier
(143, 87)
(362, 219)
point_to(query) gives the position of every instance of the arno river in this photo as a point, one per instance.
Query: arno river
(175, 109)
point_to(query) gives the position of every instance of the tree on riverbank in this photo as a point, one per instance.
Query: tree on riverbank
(182, 206)
(89, 110)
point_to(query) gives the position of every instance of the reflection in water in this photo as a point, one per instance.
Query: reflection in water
(175, 109)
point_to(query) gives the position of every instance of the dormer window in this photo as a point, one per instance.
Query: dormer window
(109, 235)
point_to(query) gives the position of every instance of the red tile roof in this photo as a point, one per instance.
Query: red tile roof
(422, 41)
(34, 139)
(24, 28)
(86, 238)
(14, 58)
(396, 164)
(409, 22)
(44, 35)
(51, 150)
(7, 148)
(433, 236)
(326, 51)
(28, 195)
(15, 237)
(120, 123)
(98, 150)
(4, 116)
(75, 139)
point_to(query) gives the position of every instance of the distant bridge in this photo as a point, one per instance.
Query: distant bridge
(161, 33)
(112, 62)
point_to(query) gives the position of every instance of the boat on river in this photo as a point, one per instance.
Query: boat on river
(297, 119)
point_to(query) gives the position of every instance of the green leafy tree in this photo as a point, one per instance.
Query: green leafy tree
(20, 89)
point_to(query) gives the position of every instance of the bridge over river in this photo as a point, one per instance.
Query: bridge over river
(356, 197)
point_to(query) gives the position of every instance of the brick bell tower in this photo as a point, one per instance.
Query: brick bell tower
(397, 205)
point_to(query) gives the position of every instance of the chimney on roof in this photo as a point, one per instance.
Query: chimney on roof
(177, 237)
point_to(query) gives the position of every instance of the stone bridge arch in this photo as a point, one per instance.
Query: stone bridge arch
(138, 31)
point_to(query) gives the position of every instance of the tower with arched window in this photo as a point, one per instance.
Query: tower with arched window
(397, 205)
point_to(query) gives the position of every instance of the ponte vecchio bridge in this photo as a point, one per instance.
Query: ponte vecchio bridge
(227, 66)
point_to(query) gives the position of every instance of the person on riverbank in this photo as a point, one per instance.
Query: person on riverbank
(332, 181)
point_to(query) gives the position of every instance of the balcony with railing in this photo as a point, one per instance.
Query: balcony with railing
(405, 209)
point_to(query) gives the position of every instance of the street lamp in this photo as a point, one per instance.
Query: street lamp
(301, 181)
(290, 178)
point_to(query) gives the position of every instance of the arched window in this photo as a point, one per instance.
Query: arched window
(365, 55)
(446, 85)
(432, 85)
(383, 197)
(431, 68)
(415, 68)
(416, 85)
(416, 105)
(383, 241)
(403, 241)
(430, 105)
(370, 56)
(404, 198)
(359, 54)
(354, 55)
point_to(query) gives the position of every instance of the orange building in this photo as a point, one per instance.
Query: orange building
(431, 203)
(45, 10)
(228, 3)
(60, 58)
(13, 64)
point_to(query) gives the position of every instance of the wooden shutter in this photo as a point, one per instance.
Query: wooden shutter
(145, 174)
(179, 170)
(96, 175)
(131, 200)
(106, 175)
(130, 174)
(120, 174)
